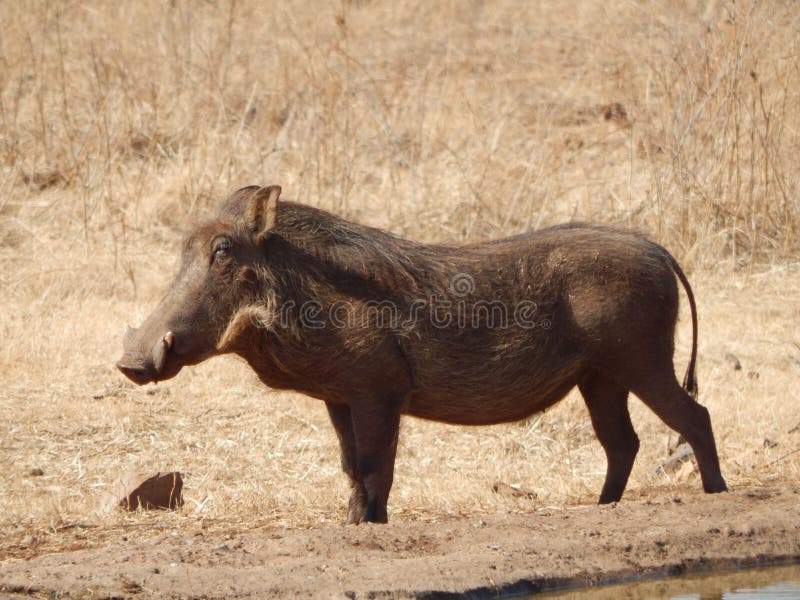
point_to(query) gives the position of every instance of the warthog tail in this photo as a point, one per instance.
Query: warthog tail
(690, 379)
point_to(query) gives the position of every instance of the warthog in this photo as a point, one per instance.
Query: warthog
(377, 326)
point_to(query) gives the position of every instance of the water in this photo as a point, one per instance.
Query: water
(772, 583)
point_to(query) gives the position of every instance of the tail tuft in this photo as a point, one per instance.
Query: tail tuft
(690, 384)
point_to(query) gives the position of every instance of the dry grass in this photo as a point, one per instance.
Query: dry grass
(124, 122)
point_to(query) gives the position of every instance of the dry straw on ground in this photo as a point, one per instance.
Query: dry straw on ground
(122, 123)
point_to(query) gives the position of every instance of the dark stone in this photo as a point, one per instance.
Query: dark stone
(147, 490)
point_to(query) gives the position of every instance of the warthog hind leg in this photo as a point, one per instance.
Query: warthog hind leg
(673, 405)
(608, 407)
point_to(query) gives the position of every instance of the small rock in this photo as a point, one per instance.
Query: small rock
(753, 375)
(36, 472)
(146, 490)
(514, 491)
(733, 361)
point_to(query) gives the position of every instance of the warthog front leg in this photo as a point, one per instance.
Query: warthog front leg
(343, 424)
(375, 427)
(368, 442)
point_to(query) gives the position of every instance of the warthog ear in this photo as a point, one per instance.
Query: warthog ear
(262, 210)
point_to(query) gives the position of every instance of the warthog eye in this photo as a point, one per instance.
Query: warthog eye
(221, 249)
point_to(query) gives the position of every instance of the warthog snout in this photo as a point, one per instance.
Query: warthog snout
(143, 365)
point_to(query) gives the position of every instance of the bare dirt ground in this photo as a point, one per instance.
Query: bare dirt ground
(501, 554)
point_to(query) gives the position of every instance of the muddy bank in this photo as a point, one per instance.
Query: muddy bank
(498, 554)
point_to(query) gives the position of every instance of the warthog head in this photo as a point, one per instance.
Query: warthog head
(217, 276)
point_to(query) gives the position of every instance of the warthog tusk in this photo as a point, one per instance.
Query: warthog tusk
(127, 337)
(168, 339)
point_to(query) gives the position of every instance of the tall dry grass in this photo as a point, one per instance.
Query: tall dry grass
(122, 123)
(483, 119)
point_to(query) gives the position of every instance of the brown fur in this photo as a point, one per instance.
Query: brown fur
(604, 304)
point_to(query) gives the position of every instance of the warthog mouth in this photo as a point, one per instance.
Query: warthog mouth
(159, 363)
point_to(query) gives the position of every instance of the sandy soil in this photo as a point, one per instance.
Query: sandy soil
(499, 554)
